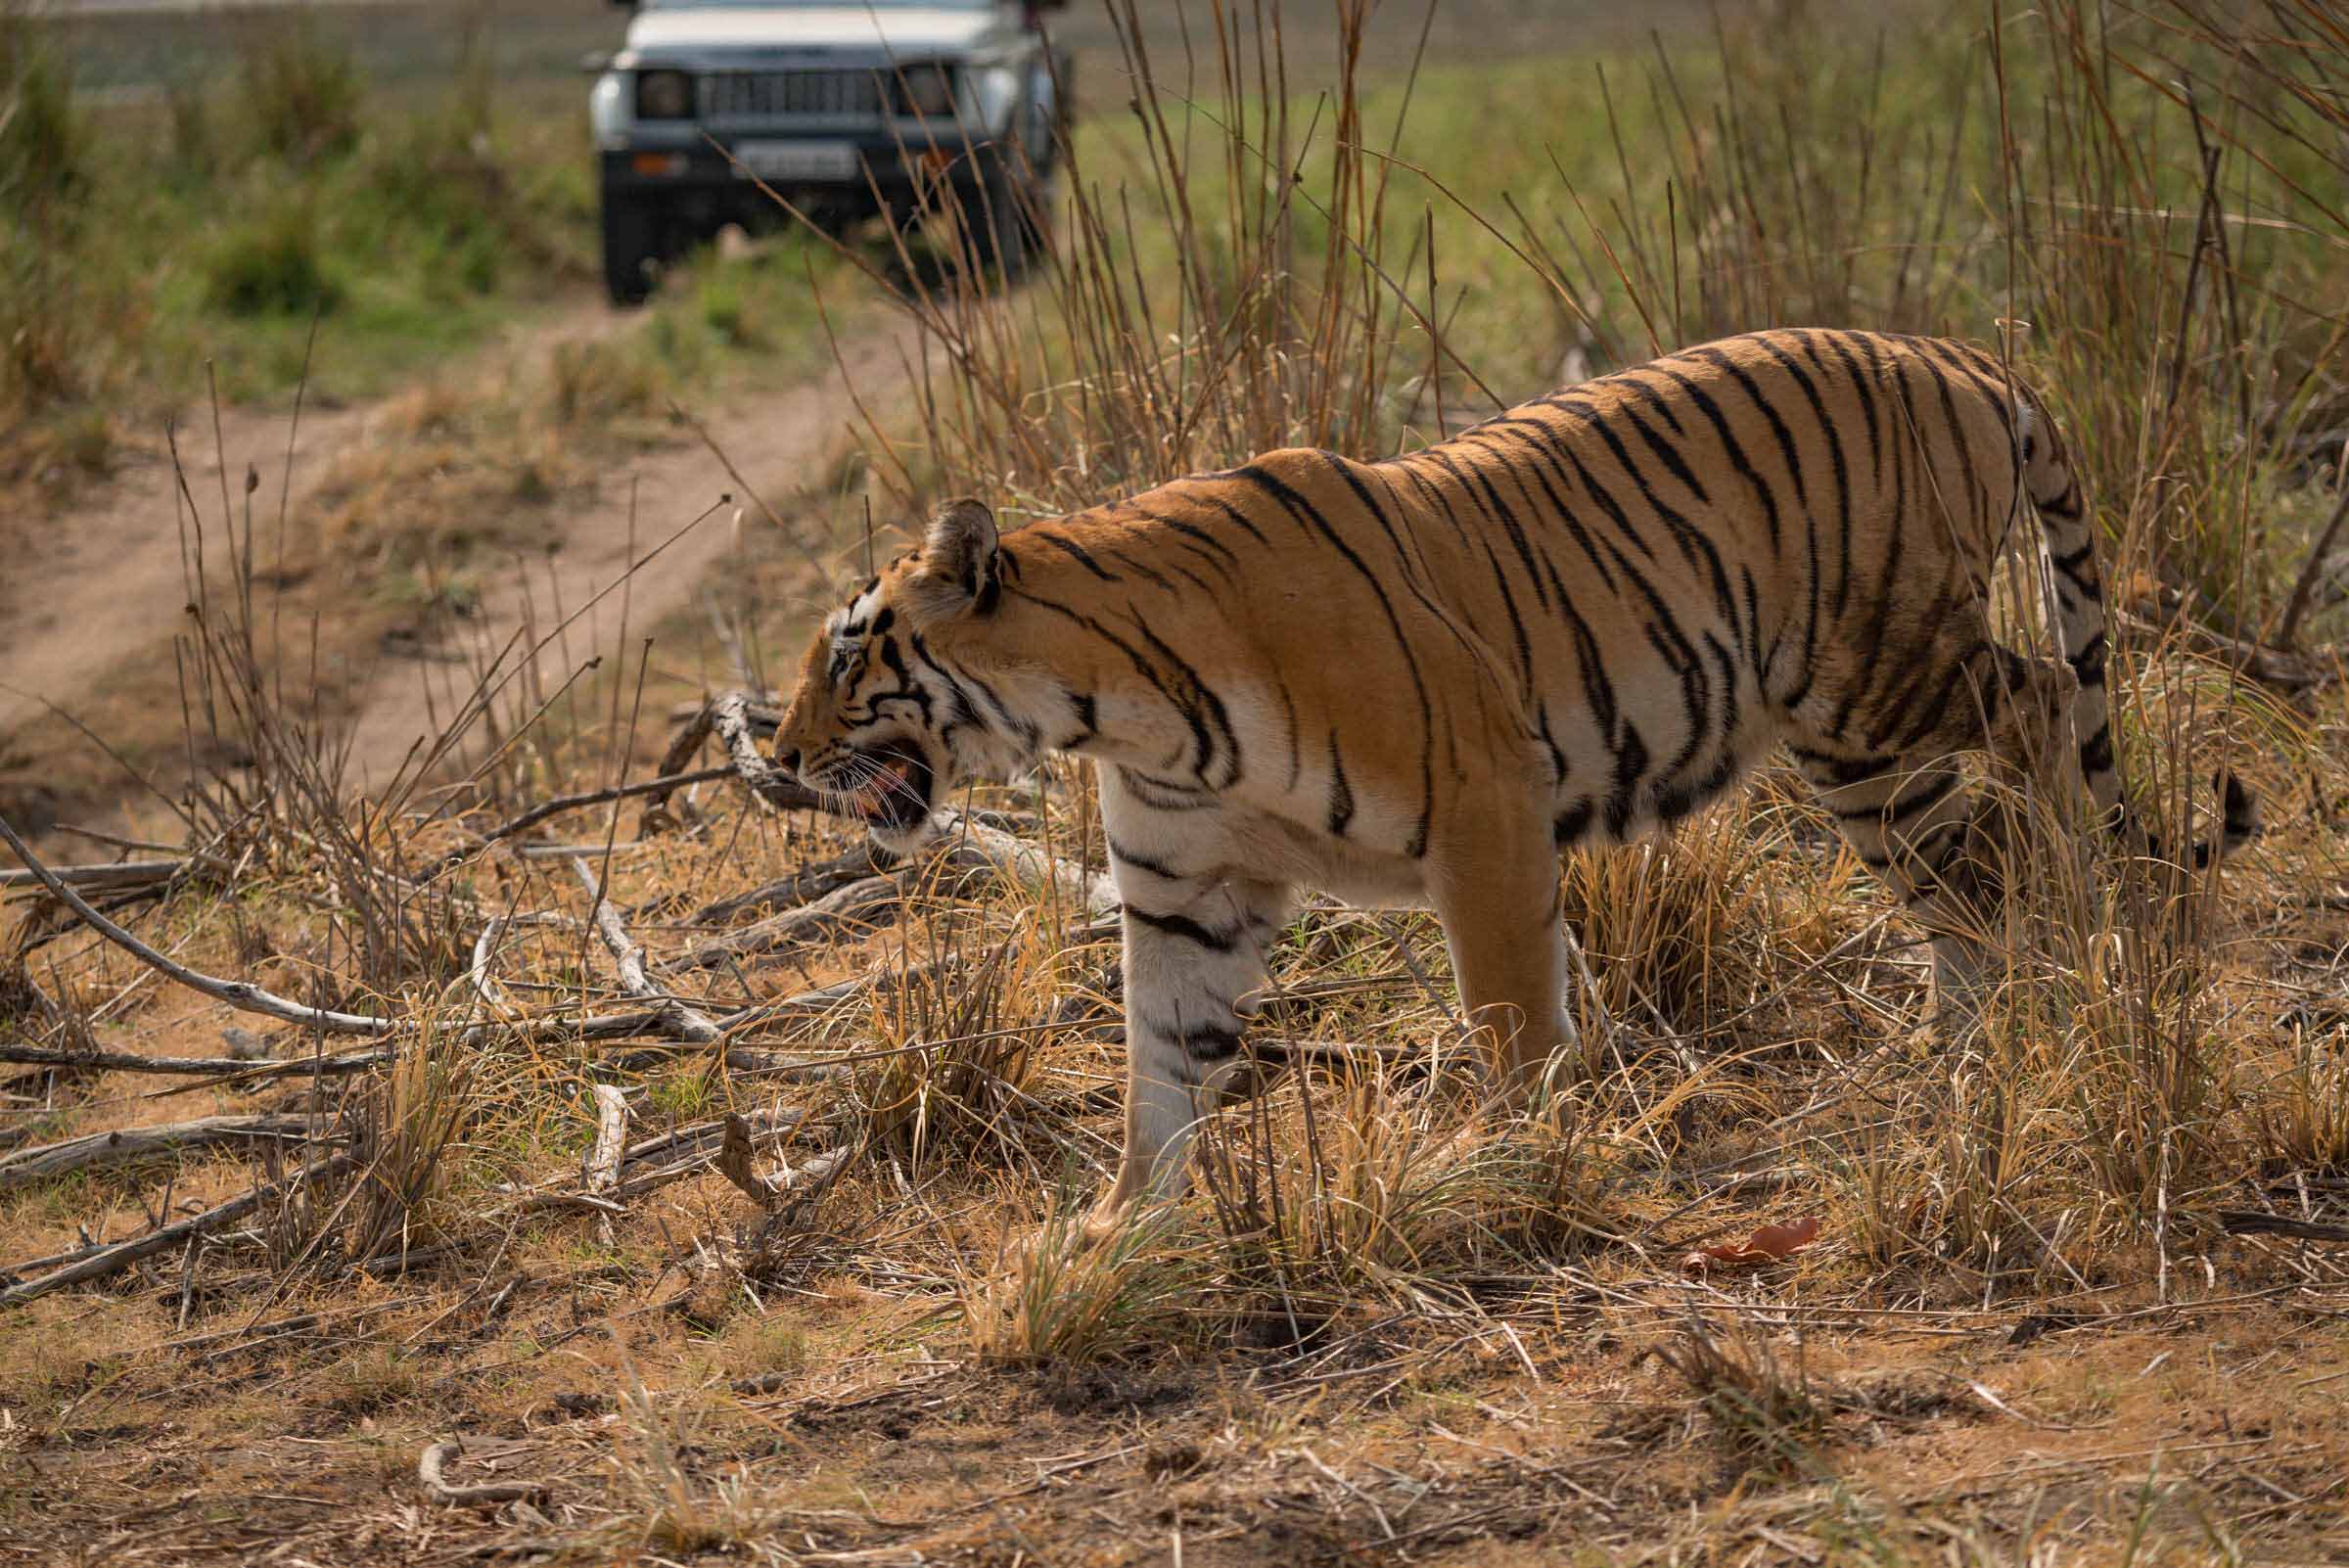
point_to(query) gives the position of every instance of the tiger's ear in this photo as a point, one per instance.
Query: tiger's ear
(958, 555)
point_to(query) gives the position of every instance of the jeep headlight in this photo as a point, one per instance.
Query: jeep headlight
(663, 95)
(926, 92)
(994, 90)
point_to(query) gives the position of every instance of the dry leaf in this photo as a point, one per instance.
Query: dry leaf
(1768, 1244)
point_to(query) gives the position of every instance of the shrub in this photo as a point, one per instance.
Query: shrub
(303, 92)
(40, 140)
(271, 265)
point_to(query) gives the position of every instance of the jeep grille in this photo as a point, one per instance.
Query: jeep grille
(794, 94)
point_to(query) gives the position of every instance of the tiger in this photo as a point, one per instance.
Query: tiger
(1417, 680)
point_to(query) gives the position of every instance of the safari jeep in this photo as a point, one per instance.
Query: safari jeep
(847, 109)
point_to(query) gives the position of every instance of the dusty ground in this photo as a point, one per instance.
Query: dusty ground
(87, 619)
(827, 1405)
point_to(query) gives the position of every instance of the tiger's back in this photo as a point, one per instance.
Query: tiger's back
(1629, 589)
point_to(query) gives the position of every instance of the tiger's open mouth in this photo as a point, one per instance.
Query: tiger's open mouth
(896, 792)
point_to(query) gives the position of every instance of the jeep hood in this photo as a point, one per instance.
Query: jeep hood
(899, 30)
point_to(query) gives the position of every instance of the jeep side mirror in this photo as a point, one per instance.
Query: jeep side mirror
(596, 62)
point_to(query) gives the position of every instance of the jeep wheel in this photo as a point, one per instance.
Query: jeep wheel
(1002, 222)
(631, 234)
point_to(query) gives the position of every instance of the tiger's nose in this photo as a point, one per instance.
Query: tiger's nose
(789, 762)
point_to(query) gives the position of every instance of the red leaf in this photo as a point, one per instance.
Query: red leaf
(1769, 1244)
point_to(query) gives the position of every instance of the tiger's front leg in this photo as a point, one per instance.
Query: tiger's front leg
(1498, 898)
(1194, 945)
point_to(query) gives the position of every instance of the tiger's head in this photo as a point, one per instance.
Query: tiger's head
(891, 717)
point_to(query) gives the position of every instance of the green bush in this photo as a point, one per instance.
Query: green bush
(40, 140)
(271, 265)
(303, 93)
(726, 310)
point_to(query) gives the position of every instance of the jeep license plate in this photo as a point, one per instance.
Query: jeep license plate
(778, 161)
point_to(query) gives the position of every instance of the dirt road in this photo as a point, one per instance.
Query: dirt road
(96, 600)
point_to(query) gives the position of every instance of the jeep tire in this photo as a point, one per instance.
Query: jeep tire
(631, 240)
(998, 225)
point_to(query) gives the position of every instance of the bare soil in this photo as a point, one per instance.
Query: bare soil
(96, 592)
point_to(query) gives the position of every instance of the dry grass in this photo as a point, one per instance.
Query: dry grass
(1394, 1323)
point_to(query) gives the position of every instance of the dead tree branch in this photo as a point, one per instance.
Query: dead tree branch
(2320, 559)
(431, 1464)
(357, 1061)
(120, 874)
(121, 1254)
(730, 717)
(734, 1164)
(240, 994)
(676, 1018)
(860, 906)
(975, 844)
(2250, 1222)
(802, 887)
(94, 1150)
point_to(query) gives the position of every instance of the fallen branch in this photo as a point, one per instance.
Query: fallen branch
(552, 1197)
(485, 947)
(240, 994)
(734, 1164)
(603, 1161)
(2251, 1222)
(115, 1258)
(94, 1150)
(432, 1463)
(357, 1061)
(856, 907)
(676, 1018)
(2284, 670)
(611, 1132)
(730, 717)
(2287, 636)
(975, 844)
(865, 860)
(120, 874)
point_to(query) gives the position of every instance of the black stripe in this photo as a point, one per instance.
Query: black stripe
(1631, 766)
(1126, 856)
(1204, 1042)
(1842, 771)
(1144, 569)
(1208, 543)
(2096, 752)
(1212, 729)
(1306, 514)
(1843, 483)
(1074, 551)
(1901, 807)
(1735, 454)
(1341, 796)
(2088, 662)
(1184, 929)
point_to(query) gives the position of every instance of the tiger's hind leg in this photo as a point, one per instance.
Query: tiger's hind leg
(1913, 817)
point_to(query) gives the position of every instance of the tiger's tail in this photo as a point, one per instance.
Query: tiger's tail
(2055, 490)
